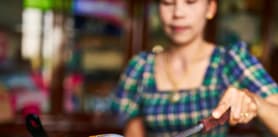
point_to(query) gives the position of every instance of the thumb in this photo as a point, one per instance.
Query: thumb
(220, 110)
(224, 103)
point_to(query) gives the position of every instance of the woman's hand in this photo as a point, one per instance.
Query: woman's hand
(243, 105)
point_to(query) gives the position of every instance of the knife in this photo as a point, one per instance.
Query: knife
(205, 125)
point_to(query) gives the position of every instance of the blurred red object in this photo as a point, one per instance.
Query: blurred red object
(6, 107)
(31, 108)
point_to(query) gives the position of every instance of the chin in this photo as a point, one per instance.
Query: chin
(181, 40)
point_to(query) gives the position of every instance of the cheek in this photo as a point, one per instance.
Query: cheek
(198, 11)
(199, 18)
(165, 15)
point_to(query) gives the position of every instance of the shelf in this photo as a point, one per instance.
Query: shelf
(92, 41)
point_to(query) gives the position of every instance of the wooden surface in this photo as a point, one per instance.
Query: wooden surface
(74, 125)
(84, 125)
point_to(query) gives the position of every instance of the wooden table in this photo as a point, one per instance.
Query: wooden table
(72, 125)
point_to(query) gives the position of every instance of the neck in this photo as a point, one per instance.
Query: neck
(189, 51)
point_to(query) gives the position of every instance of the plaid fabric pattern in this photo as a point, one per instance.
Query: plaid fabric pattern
(138, 95)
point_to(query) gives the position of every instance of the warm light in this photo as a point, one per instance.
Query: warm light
(31, 28)
(157, 48)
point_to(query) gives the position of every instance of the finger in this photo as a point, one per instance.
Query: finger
(245, 108)
(237, 100)
(250, 95)
(220, 110)
(248, 118)
(252, 112)
(252, 104)
(256, 100)
(223, 106)
(253, 107)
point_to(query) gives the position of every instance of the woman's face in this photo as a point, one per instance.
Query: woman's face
(184, 20)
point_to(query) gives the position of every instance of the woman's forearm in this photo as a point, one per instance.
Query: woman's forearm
(268, 114)
(135, 128)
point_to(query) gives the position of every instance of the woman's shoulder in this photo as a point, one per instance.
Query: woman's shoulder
(237, 55)
(138, 61)
(234, 48)
(141, 57)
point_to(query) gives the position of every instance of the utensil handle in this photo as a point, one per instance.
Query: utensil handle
(34, 126)
(210, 122)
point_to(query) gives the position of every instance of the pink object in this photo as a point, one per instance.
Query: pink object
(13, 102)
(31, 108)
(39, 81)
(72, 86)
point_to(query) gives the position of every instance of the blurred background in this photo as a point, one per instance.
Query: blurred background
(63, 58)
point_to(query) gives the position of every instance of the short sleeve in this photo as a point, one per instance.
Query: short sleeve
(126, 99)
(245, 71)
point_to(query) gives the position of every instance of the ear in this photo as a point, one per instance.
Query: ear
(212, 8)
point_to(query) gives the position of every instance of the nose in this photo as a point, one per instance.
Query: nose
(179, 10)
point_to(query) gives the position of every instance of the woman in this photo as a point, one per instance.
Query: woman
(161, 94)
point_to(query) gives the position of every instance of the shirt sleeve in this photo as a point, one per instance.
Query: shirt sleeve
(245, 71)
(126, 101)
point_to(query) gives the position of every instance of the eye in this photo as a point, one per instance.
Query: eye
(191, 1)
(167, 2)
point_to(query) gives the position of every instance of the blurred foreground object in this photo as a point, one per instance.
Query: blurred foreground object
(6, 109)
(34, 125)
(107, 135)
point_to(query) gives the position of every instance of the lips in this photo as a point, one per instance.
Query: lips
(179, 29)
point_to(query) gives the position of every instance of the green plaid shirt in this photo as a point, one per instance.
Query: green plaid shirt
(137, 93)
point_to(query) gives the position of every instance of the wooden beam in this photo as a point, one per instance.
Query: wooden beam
(267, 16)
